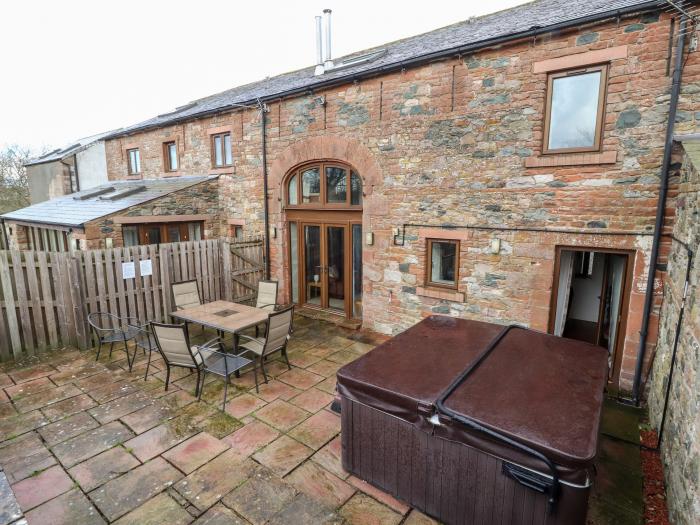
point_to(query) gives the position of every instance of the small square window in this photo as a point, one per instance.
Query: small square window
(442, 263)
(170, 154)
(574, 111)
(221, 150)
(134, 161)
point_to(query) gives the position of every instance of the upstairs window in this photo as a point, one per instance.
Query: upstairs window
(170, 154)
(442, 263)
(134, 161)
(330, 185)
(221, 150)
(574, 111)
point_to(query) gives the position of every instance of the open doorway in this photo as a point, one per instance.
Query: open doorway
(590, 299)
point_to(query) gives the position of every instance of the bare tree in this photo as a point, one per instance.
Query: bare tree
(14, 187)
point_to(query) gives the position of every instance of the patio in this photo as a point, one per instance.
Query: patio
(85, 442)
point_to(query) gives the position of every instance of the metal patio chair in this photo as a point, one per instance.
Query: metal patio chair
(145, 341)
(277, 333)
(266, 299)
(110, 328)
(173, 342)
(186, 295)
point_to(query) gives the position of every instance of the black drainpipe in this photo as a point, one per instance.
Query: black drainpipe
(263, 110)
(660, 209)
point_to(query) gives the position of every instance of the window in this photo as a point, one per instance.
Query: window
(221, 150)
(574, 111)
(170, 154)
(134, 161)
(330, 185)
(442, 263)
(156, 233)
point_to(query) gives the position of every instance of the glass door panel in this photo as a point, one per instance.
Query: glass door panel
(313, 268)
(357, 271)
(335, 266)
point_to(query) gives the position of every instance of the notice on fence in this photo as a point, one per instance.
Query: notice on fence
(146, 267)
(128, 270)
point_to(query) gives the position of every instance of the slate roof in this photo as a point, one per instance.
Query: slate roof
(69, 210)
(466, 35)
(67, 151)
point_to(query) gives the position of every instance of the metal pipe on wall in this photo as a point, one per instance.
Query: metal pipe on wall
(660, 212)
(263, 132)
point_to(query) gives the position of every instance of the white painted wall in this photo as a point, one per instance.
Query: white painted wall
(586, 293)
(92, 166)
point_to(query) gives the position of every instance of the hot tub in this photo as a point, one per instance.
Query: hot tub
(476, 423)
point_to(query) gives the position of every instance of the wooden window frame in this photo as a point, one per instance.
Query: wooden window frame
(323, 203)
(128, 161)
(429, 264)
(166, 156)
(213, 138)
(600, 113)
(183, 229)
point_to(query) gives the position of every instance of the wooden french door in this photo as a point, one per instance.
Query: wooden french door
(327, 266)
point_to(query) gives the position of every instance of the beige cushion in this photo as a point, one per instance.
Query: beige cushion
(254, 345)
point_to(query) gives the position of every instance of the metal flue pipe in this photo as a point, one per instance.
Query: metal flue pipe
(319, 41)
(327, 51)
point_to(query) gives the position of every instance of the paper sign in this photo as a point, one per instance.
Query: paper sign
(146, 267)
(128, 270)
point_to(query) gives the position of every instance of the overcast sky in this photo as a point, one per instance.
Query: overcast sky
(74, 68)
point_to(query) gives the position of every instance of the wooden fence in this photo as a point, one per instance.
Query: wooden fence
(45, 297)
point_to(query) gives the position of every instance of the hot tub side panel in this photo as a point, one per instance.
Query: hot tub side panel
(453, 482)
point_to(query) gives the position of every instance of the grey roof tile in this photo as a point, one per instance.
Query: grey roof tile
(71, 211)
(67, 151)
(540, 13)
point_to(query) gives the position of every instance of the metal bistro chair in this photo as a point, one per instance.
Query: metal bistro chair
(173, 341)
(110, 328)
(145, 341)
(266, 299)
(277, 334)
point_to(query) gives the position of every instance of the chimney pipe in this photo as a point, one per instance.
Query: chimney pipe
(327, 59)
(319, 41)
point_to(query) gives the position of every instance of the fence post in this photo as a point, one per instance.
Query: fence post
(78, 300)
(8, 295)
(225, 251)
(165, 279)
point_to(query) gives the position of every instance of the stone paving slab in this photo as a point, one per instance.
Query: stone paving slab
(319, 484)
(35, 490)
(329, 457)
(120, 406)
(25, 455)
(318, 430)
(148, 417)
(102, 468)
(276, 389)
(363, 510)
(242, 405)
(68, 406)
(159, 510)
(283, 455)
(14, 426)
(91, 443)
(220, 515)
(46, 397)
(261, 497)
(156, 441)
(303, 510)
(251, 438)
(67, 428)
(106, 393)
(9, 508)
(300, 379)
(21, 390)
(195, 452)
(312, 400)
(71, 508)
(123, 494)
(281, 415)
(33, 372)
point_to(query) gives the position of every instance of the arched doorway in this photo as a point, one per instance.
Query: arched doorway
(323, 207)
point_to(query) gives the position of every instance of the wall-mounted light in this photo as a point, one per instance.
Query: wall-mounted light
(495, 245)
(369, 238)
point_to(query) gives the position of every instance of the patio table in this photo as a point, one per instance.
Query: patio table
(225, 316)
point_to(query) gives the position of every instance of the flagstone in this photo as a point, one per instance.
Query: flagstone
(123, 494)
(99, 380)
(328, 385)
(274, 368)
(157, 440)
(102, 468)
(33, 372)
(46, 397)
(302, 358)
(363, 510)
(9, 508)
(5, 380)
(344, 356)
(206, 485)
(325, 368)
(74, 374)
(418, 518)
(281, 415)
(275, 389)
(111, 391)
(302, 510)
(312, 400)
(68, 407)
(318, 430)
(220, 515)
(71, 508)
(67, 428)
(283, 455)
(260, 497)
(252, 437)
(379, 495)
(14, 426)
(91, 443)
(195, 452)
(319, 484)
(23, 456)
(148, 417)
(242, 405)
(6, 408)
(301, 379)
(42, 487)
(322, 350)
(177, 399)
(29, 387)
(158, 510)
(330, 458)
(120, 407)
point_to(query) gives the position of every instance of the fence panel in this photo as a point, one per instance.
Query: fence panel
(46, 297)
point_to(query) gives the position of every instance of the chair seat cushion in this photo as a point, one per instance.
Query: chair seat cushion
(255, 345)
